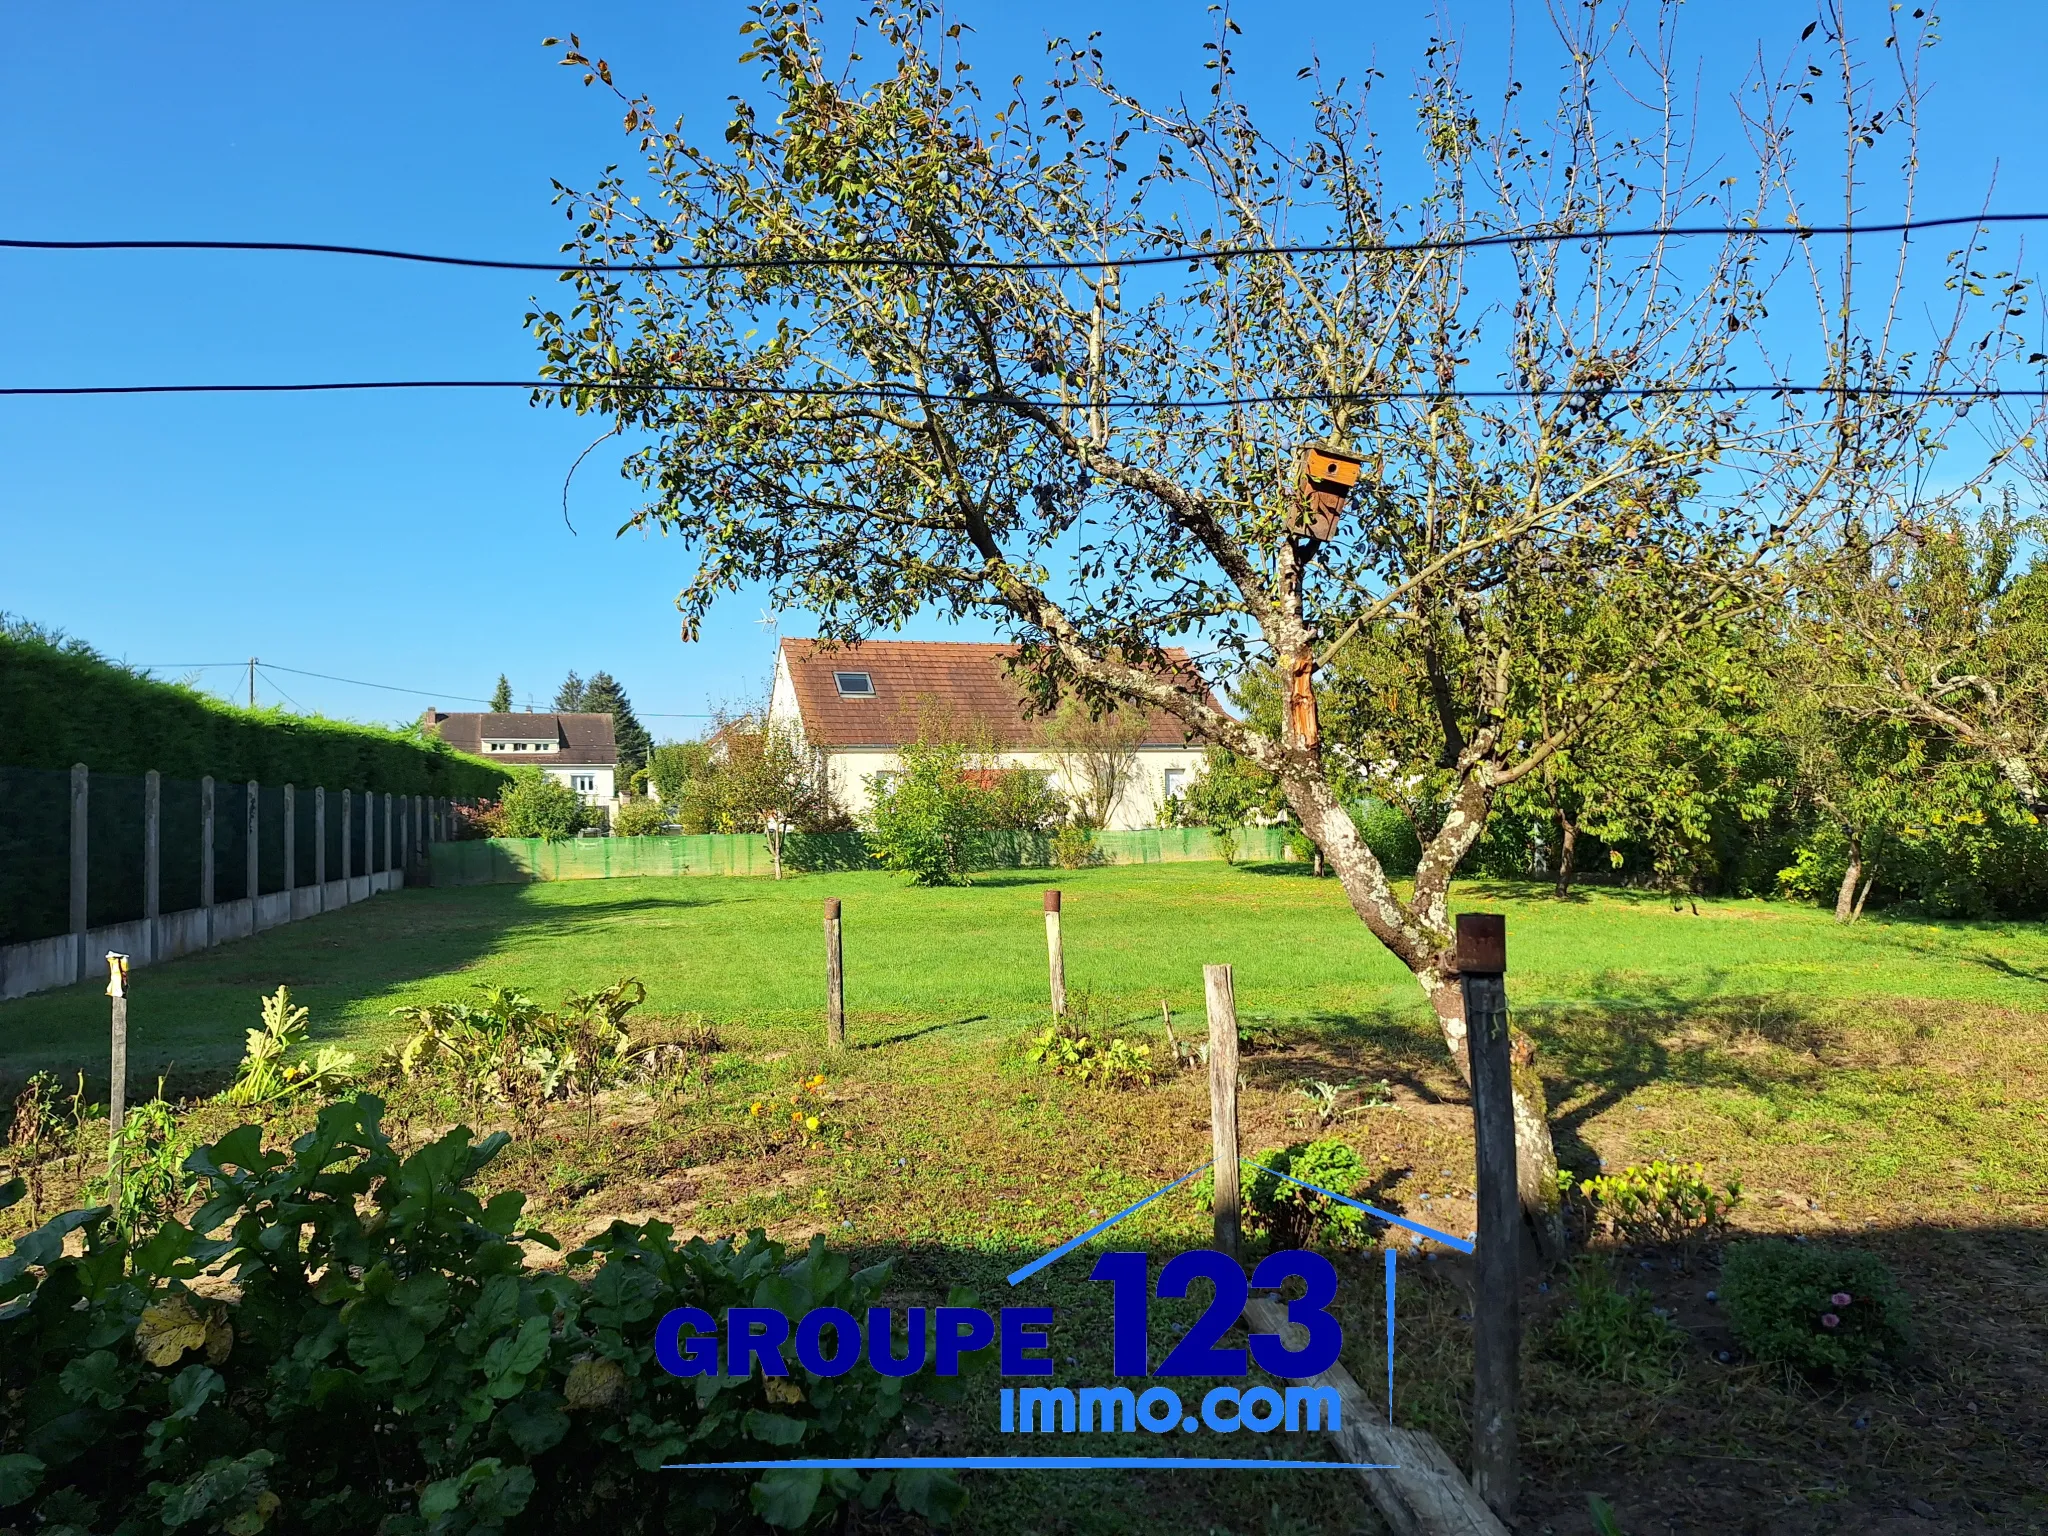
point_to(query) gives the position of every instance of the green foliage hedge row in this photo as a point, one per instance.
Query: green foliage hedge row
(391, 1363)
(62, 703)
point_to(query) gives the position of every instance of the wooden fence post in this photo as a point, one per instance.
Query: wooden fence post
(835, 977)
(80, 782)
(1222, 999)
(1496, 1310)
(152, 861)
(1055, 954)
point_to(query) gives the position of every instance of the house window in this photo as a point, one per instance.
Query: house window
(1176, 781)
(518, 746)
(583, 783)
(854, 685)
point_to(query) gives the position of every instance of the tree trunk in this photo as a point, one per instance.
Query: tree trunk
(1418, 936)
(1845, 898)
(1863, 895)
(1567, 854)
(1535, 1153)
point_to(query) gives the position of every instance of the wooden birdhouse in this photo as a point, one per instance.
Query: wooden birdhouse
(1323, 479)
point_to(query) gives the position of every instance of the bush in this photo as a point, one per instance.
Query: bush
(1813, 1307)
(535, 805)
(1666, 1203)
(1389, 835)
(265, 1077)
(642, 818)
(391, 1363)
(922, 821)
(1073, 847)
(1080, 1046)
(1612, 1333)
(1293, 1217)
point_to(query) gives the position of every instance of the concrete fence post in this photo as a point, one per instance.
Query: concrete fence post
(80, 780)
(255, 869)
(152, 862)
(291, 847)
(387, 832)
(206, 851)
(320, 844)
(347, 851)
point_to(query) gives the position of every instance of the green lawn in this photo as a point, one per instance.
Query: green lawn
(749, 953)
(1881, 1083)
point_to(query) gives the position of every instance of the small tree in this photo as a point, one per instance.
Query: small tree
(501, 696)
(1007, 418)
(921, 821)
(535, 805)
(569, 697)
(1097, 755)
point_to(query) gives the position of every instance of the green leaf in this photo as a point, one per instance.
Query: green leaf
(95, 1378)
(19, 1477)
(512, 1358)
(934, 1493)
(774, 1428)
(193, 1388)
(786, 1499)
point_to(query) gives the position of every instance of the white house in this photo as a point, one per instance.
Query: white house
(578, 749)
(858, 707)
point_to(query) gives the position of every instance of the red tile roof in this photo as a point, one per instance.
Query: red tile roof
(958, 686)
(579, 738)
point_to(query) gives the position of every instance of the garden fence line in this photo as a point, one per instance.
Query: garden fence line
(154, 868)
(517, 860)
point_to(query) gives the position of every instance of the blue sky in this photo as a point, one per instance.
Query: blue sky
(418, 539)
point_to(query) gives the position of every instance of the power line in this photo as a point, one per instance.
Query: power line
(1110, 402)
(425, 693)
(928, 263)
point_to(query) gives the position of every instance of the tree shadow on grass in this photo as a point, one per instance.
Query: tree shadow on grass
(194, 1010)
(916, 1034)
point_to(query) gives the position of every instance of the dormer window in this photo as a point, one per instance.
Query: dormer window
(854, 685)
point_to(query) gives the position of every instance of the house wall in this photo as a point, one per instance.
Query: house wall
(1141, 805)
(606, 792)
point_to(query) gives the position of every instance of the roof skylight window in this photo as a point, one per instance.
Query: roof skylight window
(854, 685)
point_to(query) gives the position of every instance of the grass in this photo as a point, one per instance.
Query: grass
(1879, 1083)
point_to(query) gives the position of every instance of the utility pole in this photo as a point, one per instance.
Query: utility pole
(252, 682)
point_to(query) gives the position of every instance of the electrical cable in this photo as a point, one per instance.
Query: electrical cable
(927, 263)
(1113, 402)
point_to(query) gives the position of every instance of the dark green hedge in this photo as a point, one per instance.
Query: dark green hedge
(61, 703)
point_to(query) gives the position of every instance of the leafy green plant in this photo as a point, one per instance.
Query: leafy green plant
(921, 821)
(1813, 1307)
(1609, 1332)
(1665, 1203)
(510, 1050)
(1111, 1061)
(1289, 1215)
(37, 1133)
(536, 805)
(266, 1077)
(1073, 847)
(1601, 1513)
(642, 817)
(390, 1362)
(146, 1181)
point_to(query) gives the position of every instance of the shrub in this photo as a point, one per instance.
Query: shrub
(921, 822)
(1293, 1217)
(1813, 1307)
(1610, 1332)
(642, 818)
(146, 1181)
(510, 1050)
(1073, 847)
(535, 805)
(265, 1077)
(1662, 1203)
(391, 1363)
(1102, 1061)
(1390, 836)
